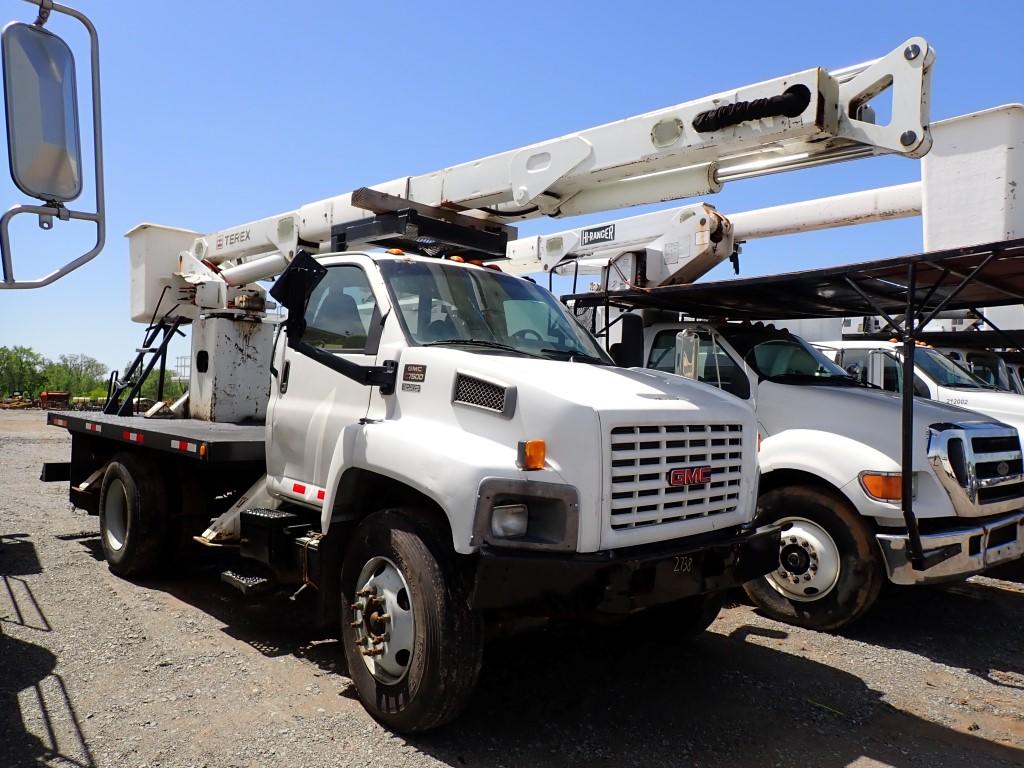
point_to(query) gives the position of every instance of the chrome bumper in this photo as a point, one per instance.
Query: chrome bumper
(977, 550)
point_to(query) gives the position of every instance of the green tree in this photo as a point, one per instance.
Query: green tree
(21, 370)
(77, 374)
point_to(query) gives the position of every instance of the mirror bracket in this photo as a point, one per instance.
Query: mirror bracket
(50, 210)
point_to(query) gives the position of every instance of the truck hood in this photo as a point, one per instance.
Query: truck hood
(1007, 407)
(869, 416)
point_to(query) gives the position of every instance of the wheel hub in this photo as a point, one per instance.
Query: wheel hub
(808, 561)
(383, 620)
(115, 515)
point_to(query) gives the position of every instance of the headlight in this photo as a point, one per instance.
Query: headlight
(526, 515)
(509, 521)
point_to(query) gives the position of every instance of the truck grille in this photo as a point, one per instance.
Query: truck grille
(980, 465)
(642, 460)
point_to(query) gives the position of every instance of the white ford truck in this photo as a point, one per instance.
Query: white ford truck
(936, 377)
(830, 471)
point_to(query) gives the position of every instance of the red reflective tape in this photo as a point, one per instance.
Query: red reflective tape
(131, 437)
(299, 488)
(320, 495)
(60, 422)
(91, 426)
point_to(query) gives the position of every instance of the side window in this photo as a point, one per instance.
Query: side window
(339, 311)
(921, 388)
(855, 363)
(892, 374)
(717, 368)
(663, 352)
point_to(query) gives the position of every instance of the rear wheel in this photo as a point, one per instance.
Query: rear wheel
(133, 516)
(412, 644)
(830, 570)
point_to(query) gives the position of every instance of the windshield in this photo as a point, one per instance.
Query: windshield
(945, 372)
(990, 369)
(446, 304)
(789, 359)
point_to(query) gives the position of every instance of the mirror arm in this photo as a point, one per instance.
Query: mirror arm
(382, 376)
(99, 217)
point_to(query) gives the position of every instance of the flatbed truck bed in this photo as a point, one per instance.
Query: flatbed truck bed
(201, 440)
(219, 458)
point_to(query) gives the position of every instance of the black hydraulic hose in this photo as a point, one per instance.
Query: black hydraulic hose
(790, 103)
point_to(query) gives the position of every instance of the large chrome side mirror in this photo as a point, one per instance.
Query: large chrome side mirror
(687, 351)
(43, 139)
(41, 102)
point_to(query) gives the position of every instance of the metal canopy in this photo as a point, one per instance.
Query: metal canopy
(867, 288)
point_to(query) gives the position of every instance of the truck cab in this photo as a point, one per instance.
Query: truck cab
(936, 377)
(830, 471)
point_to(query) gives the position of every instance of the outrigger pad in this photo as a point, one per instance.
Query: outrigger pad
(294, 287)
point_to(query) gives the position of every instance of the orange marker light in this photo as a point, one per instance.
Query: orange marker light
(395, 251)
(884, 486)
(531, 454)
(457, 259)
(202, 450)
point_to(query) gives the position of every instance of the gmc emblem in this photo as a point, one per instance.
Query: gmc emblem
(689, 476)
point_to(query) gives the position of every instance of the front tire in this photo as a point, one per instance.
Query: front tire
(830, 570)
(413, 646)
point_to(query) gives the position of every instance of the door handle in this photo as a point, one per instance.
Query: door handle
(283, 385)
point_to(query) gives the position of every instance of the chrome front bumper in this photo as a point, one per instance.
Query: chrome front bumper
(981, 546)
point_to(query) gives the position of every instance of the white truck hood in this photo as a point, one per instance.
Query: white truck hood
(869, 416)
(1006, 407)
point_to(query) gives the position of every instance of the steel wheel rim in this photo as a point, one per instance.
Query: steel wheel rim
(383, 620)
(809, 562)
(115, 515)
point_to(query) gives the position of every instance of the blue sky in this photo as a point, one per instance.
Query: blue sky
(219, 113)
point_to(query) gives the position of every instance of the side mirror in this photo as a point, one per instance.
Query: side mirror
(687, 351)
(43, 139)
(41, 103)
(856, 370)
(293, 289)
(629, 352)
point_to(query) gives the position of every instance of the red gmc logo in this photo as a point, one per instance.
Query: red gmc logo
(689, 476)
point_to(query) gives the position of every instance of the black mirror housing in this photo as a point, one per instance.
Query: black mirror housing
(293, 289)
(629, 352)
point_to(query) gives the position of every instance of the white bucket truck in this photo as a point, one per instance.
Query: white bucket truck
(427, 443)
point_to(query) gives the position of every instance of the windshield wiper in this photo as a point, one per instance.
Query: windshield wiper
(481, 343)
(575, 354)
(810, 378)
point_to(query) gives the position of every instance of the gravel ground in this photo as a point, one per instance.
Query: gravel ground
(96, 671)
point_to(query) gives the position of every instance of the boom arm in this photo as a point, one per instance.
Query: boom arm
(690, 149)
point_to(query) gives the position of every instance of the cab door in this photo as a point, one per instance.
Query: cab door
(311, 406)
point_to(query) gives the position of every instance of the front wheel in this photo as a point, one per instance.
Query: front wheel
(412, 644)
(830, 570)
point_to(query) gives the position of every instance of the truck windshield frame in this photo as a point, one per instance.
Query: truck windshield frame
(441, 304)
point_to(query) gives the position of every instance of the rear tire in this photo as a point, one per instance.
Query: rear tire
(830, 569)
(133, 516)
(422, 674)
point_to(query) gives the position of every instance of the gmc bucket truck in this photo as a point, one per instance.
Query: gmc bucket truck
(830, 454)
(427, 444)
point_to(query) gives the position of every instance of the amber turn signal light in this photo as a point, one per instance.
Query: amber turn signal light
(531, 454)
(884, 486)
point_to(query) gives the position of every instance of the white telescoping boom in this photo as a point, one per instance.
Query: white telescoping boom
(966, 196)
(687, 150)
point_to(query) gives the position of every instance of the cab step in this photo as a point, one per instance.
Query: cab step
(247, 585)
